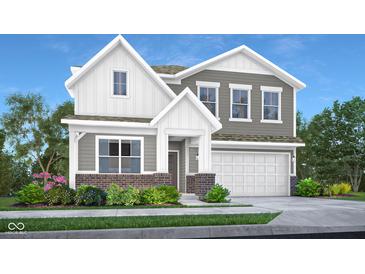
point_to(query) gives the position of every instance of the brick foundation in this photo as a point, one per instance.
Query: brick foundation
(203, 183)
(293, 183)
(190, 184)
(141, 181)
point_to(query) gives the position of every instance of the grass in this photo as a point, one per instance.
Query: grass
(356, 196)
(49, 224)
(7, 204)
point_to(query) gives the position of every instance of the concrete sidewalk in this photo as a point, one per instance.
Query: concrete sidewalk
(131, 212)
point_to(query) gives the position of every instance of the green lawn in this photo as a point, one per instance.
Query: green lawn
(48, 224)
(6, 204)
(357, 196)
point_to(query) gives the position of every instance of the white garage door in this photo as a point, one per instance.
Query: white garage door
(252, 173)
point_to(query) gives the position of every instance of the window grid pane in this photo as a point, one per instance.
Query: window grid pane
(239, 103)
(271, 105)
(120, 83)
(208, 97)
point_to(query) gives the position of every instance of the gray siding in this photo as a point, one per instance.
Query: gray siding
(256, 80)
(87, 152)
(193, 162)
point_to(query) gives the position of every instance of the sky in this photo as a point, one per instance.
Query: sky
(332, 66)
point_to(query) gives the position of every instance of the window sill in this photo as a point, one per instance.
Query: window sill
(240, 120)
(119, 96)
(272, 121)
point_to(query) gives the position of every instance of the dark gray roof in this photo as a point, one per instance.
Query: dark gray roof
(168, 69)
(255, 138)
(108, 118)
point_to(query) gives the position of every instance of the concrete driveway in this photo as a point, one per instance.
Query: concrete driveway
(298, 211)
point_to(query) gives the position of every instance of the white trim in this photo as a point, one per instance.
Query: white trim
(186, 160)
(277, 71)
(184, 132)
(119, 40)
(114, 130)
(116, 137)
(178, 167)
(216, 96)
(240, 86)
(127, 83)
(194, 99)
(271, 89)
(104, 123)
(278, 91)
(208, 84)
(79, 135)
(294, 112)
(216, 143)
(247, 88)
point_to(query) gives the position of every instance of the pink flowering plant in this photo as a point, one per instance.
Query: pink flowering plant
(48, 181)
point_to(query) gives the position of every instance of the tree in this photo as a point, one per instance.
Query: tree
(336, 142)
(35, 133)
(303, 159)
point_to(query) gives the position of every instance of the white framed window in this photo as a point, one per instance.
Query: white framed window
(208, 94)
(271, 104)
(119, 154)
(240, 103)
(119, 83)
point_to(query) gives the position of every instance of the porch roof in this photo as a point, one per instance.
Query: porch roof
(108, 118)
(255, 138)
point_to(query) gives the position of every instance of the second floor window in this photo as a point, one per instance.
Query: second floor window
(240, 102)
(271, 105)
(208, 97)
(119, 83)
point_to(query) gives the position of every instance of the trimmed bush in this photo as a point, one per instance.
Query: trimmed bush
(335, 189)
(114, 195)
(217, 194)
(60, 195)
(119, 196)
(90, 196)
(153, 196)
(308, 188)
(171, 194)
(31, 194)
(345, 188)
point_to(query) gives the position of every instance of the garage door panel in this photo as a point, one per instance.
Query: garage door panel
(252, 173)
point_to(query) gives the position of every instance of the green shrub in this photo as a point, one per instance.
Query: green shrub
(308, 188)
(345, 188)
(171, 194)
(119, 196)
(217, 194)
(335, 189)
(31, 194)
(90, 196)
(60, 195)
(131, 196)
(114, 195)
(153, 196)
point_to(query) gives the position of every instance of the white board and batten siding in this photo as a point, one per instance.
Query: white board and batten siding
(184, 120)
(93, 92)
(253, 173)
(240, 62)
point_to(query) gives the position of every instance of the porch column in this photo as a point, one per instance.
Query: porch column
(205, 154)
(162, 152)
(73, 150)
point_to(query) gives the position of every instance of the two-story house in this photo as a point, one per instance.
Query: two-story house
(229, 120)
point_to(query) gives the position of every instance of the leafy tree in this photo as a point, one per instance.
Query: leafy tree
(336, 143)
(35, 133)
(303, 155)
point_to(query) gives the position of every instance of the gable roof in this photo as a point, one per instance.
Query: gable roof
(277, 71)
(119, 40)
(194, 99)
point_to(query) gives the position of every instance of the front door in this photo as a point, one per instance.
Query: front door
(173, 167)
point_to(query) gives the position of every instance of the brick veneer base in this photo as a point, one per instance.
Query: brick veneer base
(203, 183)
(190, 184)
(293, 183)
(124, 180)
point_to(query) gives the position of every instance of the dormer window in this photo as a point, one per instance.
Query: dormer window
(120, 83)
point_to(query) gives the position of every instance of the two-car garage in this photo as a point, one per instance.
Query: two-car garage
(247, 173)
